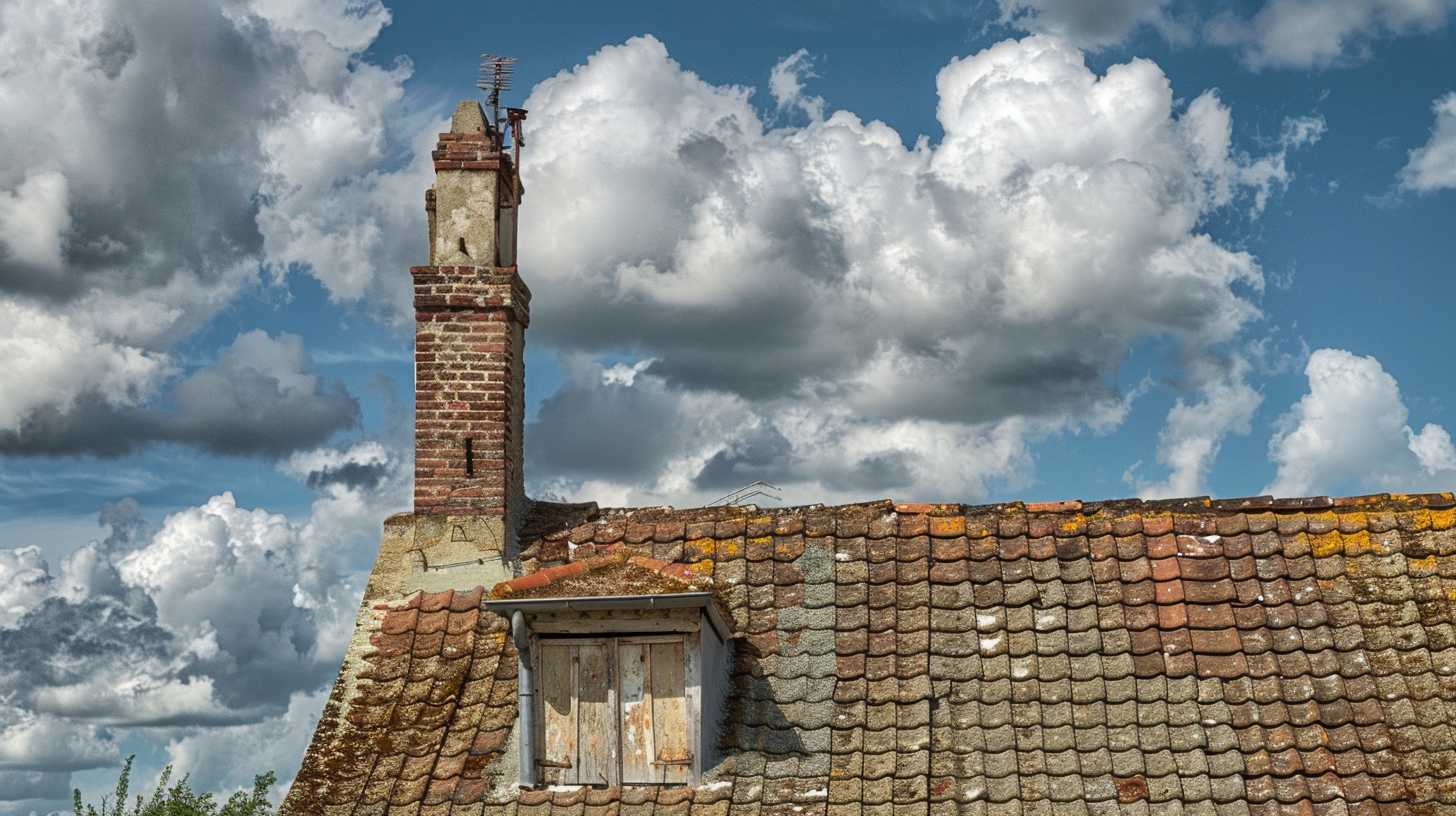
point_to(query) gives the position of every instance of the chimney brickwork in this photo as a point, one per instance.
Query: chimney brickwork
(471, 313)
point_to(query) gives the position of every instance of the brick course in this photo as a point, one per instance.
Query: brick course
(470, 326)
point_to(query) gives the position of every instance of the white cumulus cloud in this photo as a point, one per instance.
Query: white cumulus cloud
(214, 632)
(34, 219)
(1194, 431)
(1432, 166)
(59, 359)
(1350, 433)
(786, 85)
(210, 756)
(1323, 33)
(837, 305)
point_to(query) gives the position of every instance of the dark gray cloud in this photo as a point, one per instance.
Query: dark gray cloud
(61, 643)
(18, 786)
(763, 455)
(889, 471)
(91, 425)
(261, 399)
(350, 474)
(588, 428)
(1093, 25)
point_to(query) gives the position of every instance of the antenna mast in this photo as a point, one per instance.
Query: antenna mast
(495, 76)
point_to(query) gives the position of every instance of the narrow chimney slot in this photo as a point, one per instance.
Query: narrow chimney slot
(469, 458)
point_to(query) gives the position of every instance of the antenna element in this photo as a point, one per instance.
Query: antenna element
(495, 76)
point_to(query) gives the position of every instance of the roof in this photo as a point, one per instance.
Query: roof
(1199, 657)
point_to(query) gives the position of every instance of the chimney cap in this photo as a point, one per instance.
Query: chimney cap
(468, 118)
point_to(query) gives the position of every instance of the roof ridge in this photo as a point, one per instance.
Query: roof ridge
(1387, 501)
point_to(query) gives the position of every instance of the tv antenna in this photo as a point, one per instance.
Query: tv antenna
(754, 490)
(495, 76)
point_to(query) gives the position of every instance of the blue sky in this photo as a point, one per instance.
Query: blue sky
(764, 242)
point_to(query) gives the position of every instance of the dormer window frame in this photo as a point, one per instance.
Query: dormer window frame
(612, 621)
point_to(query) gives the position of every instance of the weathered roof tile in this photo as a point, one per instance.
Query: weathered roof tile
(1188, 656)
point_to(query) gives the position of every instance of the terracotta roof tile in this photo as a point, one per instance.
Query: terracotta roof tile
(1192, 656)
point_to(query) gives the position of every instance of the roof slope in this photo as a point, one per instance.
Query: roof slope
(1247, 657)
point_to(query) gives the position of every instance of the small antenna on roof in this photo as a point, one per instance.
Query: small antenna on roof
(495, 76)
(754, 490)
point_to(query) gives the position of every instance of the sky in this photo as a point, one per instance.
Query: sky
(931, 251)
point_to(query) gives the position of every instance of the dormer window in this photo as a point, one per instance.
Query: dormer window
(616, 689)
(617, 710)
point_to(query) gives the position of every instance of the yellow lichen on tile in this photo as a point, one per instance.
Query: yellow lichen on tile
(1443, 519)
(1324, 545)
(699, 548)
(703, 567)
(1425, 566)
(1420, 519)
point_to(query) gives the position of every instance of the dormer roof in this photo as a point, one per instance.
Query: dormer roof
(620, 577)
(618, 571)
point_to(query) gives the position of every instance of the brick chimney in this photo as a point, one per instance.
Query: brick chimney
(471, 312)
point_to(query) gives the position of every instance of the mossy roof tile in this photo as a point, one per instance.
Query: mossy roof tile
(1225, 656)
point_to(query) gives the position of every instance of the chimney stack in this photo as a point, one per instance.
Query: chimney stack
(471, 313)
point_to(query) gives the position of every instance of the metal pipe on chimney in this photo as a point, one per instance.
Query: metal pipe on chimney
(517, 117)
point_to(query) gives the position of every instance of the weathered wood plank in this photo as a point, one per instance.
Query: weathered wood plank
(619, 614)
(557, 671)
(636, 697)
(597, 718)
(599, 627)
(670, 725)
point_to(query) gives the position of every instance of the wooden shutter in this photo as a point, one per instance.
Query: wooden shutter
(558, 711)
(578, 712)
(656, 730)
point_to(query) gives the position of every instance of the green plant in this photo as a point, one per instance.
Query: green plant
(179, 799)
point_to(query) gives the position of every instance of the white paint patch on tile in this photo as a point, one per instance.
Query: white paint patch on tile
(716, 785)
